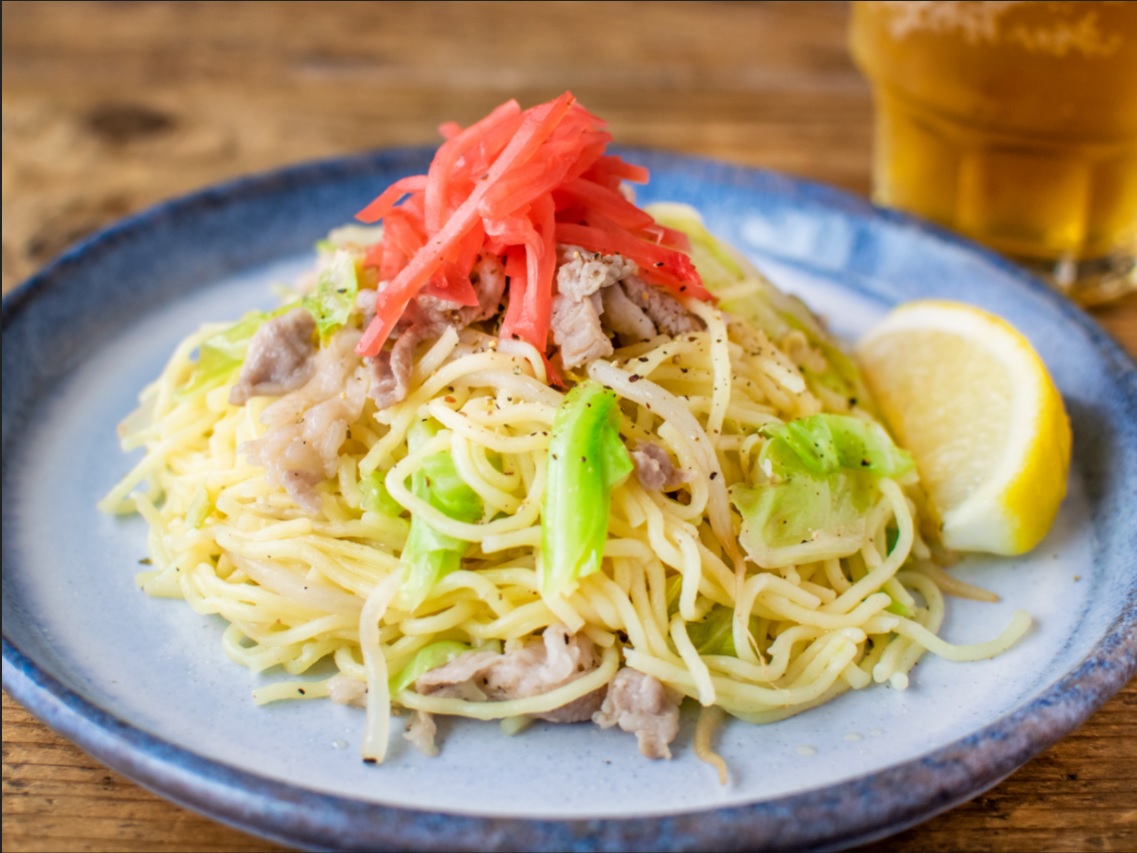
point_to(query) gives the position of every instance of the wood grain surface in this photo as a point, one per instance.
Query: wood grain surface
(109, 107)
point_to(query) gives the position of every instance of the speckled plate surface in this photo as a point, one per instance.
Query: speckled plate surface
(144, 685)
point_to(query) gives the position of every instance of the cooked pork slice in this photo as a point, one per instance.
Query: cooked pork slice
(426, 318)
(344, 690)
(583, 273)
(655, 470)
(461, 678)
(301, 486)
(279, 358)
(534, 669)
(390, 376)
(334, 365)
(641, 704)
(489, 283)
(306, 427)
(577, 331)
(391, 369)
(600, 297)
(624, 317)
(662, 308)
(420, 731)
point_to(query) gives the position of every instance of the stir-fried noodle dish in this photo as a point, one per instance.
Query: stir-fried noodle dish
(520, 450)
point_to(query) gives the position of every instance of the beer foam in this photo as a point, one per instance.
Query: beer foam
(1068, 28)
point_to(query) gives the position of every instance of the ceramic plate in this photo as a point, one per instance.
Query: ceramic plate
(144, 685)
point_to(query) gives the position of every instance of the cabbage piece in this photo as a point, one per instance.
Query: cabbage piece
(714, 634)
(333, 299)
(823, 444)
(803, 519)
(430, 554)
(427, 658)
(433, 656)
(821, 479)
(374, 497)
(587, 460)
(222, 354)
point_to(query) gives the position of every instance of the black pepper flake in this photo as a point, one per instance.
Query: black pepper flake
(301, 691)
(635, 377)
(714, 474)
(659, 263)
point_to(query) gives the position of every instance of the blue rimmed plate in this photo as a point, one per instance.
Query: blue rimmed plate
(144, 685)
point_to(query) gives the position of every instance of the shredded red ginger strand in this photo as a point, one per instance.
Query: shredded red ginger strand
(515, 184)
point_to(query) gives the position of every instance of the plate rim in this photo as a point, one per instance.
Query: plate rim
(293, 814)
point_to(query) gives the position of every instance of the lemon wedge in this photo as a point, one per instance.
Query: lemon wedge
(967, 395)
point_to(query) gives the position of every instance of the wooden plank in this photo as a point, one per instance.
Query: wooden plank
(110, 107)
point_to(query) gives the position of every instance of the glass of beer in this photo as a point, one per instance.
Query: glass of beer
(1015, 124)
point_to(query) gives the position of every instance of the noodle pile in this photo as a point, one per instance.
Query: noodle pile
(316, 593)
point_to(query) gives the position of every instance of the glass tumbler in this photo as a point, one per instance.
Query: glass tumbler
(1015, 124)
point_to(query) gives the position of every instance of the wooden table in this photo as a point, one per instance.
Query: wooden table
(109, 107)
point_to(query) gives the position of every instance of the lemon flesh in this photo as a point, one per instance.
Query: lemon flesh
(967, 395)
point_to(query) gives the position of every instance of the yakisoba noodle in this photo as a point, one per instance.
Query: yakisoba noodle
(316, 593)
